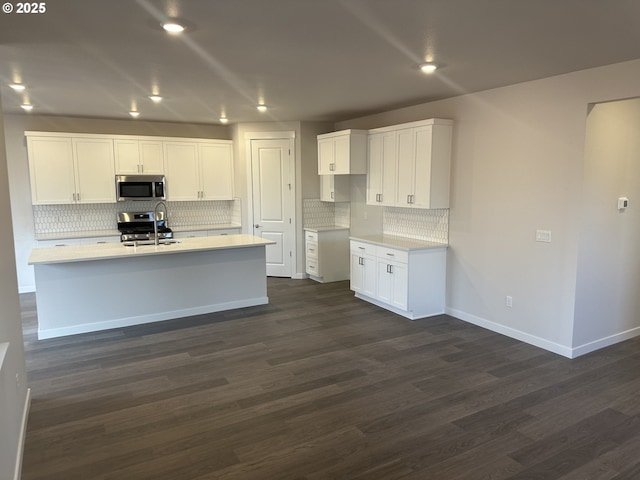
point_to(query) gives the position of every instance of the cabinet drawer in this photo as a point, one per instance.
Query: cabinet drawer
(401, 256)
(362, 247)
(312, 266)
(311, 249)
(310, 236)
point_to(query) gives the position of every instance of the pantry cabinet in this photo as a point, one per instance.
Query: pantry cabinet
(134, 156)
(335, 188)
(342, 153)
(66, 170)
(409, 165)
(409, 282)
(199, 170)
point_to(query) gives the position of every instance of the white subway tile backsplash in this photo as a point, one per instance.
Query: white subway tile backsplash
(50, 219)
(325, 214)
(431, 225)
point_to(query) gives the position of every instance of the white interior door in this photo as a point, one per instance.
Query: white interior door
(273, 202)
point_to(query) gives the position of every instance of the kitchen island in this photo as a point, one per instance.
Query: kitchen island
(87, 288)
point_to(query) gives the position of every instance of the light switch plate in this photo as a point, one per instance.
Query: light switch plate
(543, 236)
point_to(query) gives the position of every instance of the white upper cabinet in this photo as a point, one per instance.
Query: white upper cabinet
(67, 169)
(182, 171)
(138, 156)
(95, 174)
(216, 171)
(409, 165)
(335, 188)
(381, 176)
(342, 153)
(199, 170)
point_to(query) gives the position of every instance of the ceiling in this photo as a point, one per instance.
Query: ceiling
(325, 60)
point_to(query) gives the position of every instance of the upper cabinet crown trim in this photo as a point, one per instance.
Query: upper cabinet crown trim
(343, 132)
(30, 133)
(419, 123)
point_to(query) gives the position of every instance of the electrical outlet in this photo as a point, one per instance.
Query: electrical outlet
(543, 236)
(508, 301)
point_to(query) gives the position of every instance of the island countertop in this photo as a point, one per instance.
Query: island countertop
(80, 253)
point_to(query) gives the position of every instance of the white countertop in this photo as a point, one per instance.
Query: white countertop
(402, 243)
(325, 229)
(106, 251)
(116, 233)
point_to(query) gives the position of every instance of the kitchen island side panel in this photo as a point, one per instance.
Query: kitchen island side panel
(86, 296)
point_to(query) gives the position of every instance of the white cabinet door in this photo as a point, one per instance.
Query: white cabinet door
(342, 153)
(326, 156)
(363, 274)
(127, 156)
(406, 166)
(335, 188)
(151, 157)
(381, 175)
(94, 169)
(181, 171)
(216, 171)
(135, 156)
(393, 284)
(51, 170)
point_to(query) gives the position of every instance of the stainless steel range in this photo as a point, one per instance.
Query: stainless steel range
(138, 227)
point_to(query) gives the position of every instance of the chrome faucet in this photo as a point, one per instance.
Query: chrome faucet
(155, 219)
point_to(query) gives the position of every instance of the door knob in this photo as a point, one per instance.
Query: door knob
(257, 226)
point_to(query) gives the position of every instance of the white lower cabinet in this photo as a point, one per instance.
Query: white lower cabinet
(410, 283)
(327, 254)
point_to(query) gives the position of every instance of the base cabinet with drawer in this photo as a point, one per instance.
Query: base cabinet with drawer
(327, 254)
(410, 283)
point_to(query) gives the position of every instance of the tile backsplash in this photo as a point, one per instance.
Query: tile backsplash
(51, 219)
(325, 214)
(430, 225)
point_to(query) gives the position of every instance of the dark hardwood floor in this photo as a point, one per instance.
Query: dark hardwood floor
(319, 385)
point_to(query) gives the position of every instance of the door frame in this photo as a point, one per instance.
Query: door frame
(289, 135)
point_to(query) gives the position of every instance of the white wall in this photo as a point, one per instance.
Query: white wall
(18, 165)
(517, 166)
(13, 397)
(607, 301)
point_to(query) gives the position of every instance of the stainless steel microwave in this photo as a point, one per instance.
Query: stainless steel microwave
(140, 187)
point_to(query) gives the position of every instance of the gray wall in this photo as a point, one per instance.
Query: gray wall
(13, 396)
(608, 276)
(518, 165)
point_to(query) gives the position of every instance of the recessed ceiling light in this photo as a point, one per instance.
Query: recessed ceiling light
(134, 114)
(173, 27)
(262, 108)
(26, 107)
(224, 120)
(18, 87)
(155, 98)
(428, 67)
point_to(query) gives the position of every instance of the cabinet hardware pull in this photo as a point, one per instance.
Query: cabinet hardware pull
(332, 195)
(332, 167)
(360, 261)
(389, 268)
(391, 254)
(361, 248)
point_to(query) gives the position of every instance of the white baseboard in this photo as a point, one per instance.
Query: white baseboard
(23, 435)
(605, 342)
(155, 317)
(299, 276)
(512, 332)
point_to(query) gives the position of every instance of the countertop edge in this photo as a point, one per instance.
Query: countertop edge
(399, 243)
(99, 252)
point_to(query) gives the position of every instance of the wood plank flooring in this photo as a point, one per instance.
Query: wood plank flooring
(319, 385)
